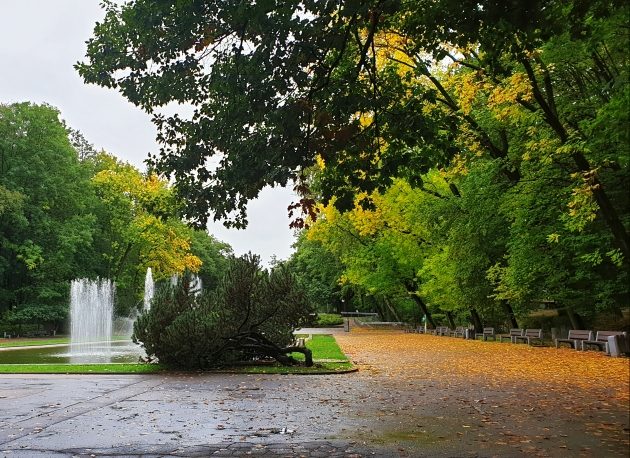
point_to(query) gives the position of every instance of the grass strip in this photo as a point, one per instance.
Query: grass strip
(80, 368)
(34, 342)
(323, 347)
(316, 369)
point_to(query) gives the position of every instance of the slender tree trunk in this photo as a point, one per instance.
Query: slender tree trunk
(392, 309)
(121, 262)
(476, 319)
(382, 313)
(451, 319)
(414, 296)
(546, 102)
(510, 313)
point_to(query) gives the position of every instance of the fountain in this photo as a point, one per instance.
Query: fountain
(91, 317)
(92, 326)
(149, 287)
(195, 285)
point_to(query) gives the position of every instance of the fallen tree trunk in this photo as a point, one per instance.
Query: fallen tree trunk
(257, 344)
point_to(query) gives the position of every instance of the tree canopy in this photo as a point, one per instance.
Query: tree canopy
(476, 152)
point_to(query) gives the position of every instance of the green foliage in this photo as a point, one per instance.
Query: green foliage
(114, 368)
(318, 272)
(476, 157)
(69, 212)
(252, 313)
(213, 255)
(45, 229)
(325, 320)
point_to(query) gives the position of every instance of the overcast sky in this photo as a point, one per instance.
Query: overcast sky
(40, 40)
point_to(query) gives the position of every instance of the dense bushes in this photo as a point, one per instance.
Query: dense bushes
(328, 319)
(250, 315)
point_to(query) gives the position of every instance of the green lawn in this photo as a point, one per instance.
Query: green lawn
(34, 342)
(318, 368)
(324, 347)
(80, 368)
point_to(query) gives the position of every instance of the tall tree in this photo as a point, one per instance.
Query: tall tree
(45, 224)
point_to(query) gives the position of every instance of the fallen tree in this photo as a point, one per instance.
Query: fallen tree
(250, 317)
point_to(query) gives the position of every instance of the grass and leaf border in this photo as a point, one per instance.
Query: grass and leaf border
(328, 358)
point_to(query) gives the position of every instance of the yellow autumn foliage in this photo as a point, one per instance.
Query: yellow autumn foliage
(137, 205)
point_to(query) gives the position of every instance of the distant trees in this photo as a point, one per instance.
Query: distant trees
(67, 211)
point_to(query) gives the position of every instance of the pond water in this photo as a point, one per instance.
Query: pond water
(118, 352)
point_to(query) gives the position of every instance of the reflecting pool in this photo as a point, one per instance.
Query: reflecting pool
(112, 352)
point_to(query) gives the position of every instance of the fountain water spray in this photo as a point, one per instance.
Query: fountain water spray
(91, 316)
(196, 285)
(149, 289)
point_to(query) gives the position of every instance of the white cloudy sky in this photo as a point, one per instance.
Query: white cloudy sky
(40, 40)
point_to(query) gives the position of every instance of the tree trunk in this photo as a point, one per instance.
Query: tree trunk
(510, 313)
(256, 343)
(451, 320)
(608, 212)
(392, 309)
(414, 296)
(308, 355)
(382, 313)
(576, 320)
(476, 319)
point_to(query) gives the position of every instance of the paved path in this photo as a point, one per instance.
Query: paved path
(383, 410)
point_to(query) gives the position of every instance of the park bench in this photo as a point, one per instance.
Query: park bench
(529, 335)
(513, 334)
(601, 340)
(487, 333)
(458, 332)
(575, 338)
(440, 331)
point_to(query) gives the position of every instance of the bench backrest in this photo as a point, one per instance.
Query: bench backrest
(516, 332)
(488, 330)
(459, 329)
(580, 334)
(602, 336)
(533, 333)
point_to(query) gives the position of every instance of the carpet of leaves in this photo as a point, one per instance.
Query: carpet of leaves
(499, 397)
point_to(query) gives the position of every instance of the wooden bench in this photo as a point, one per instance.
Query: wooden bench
(601, 340)
(513, 334)
(529, 335)
(458, 332)
(440, 331)
(575, 338)
(487, 333)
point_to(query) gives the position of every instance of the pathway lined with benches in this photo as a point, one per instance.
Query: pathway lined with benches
(501, 399)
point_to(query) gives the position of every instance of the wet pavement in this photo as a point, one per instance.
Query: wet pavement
(373, 412)
(175, 415)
